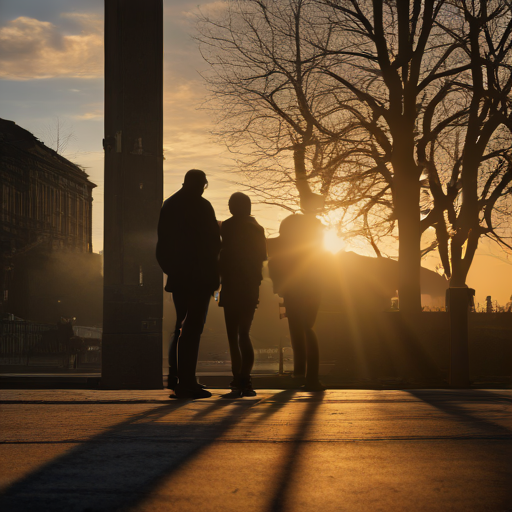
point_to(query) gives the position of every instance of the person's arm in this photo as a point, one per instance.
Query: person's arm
(262, 246)
(222, 254)
(164, 243)
(213, 229)
(275, 267)
(212, 246)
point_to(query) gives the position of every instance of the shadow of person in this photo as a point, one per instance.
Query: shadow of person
(296, 447)
(119, 468)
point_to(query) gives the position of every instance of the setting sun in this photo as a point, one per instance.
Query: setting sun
(332, 242)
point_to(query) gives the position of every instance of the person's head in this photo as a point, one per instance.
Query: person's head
(301, 229)
(195, 181)
(239, 204)
(291, 227)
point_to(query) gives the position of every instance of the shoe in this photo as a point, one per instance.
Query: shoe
(313, 386)
(248, 392)
(172, 382)
(298, 381)
(191, 393)
(172, 386)
(234, 393)
(235, 383)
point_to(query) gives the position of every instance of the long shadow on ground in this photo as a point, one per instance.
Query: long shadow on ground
(295, 452)
(453, 404)
(117, 469)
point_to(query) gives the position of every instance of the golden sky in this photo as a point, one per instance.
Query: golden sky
(51, 66)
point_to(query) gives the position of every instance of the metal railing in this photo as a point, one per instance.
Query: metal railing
(22, 342)
(18, 339)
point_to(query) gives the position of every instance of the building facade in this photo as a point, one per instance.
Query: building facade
(46, 199)
(46, 203)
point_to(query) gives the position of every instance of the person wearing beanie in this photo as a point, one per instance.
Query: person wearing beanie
(242, 254)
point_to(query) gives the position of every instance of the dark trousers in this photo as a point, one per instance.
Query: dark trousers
(238, 325)
(181, 313)
(302, 310)
(191, 310)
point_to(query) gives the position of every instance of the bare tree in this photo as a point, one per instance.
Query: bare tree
(391, 60)
(355, 102)
(275, 111)
(279, 115)
(466, 147)
(57, 135)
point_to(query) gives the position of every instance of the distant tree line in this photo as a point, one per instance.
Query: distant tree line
(394, 115)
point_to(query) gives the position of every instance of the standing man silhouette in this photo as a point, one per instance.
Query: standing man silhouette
(187, 251)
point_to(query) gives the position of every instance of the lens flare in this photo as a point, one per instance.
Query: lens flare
(332, 242)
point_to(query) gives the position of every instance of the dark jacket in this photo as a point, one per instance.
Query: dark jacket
(296, 262)
(241, 257)
(188, 243)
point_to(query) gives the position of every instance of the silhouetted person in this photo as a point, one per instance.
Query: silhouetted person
(242, 254)
(296, 271)
(187, 251)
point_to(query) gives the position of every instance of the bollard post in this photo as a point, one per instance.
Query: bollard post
(459, 302)
(281, 357)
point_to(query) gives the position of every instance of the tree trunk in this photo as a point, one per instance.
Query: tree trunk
(407, 211)
(309, 201)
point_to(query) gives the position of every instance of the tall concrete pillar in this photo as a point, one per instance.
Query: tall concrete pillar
(132, 309)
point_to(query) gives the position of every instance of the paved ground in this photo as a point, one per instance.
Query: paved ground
(342, 450)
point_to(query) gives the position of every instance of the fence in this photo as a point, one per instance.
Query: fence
(19, 338)
(23, 342)
(87, 332)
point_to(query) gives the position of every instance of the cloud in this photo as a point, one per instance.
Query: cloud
(187, 130)
(214, 8)
(34, 49)
(95, 112)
